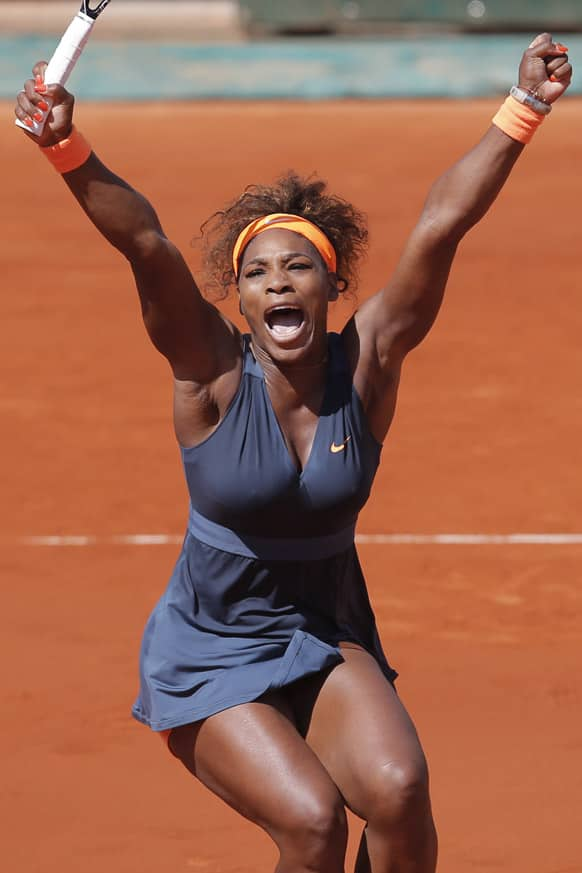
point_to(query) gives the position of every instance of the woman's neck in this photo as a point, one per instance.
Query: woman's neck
(300, 380)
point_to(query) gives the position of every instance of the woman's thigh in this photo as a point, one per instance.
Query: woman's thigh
(253, 757)
(357, 726)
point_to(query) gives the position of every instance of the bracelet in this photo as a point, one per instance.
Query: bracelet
(517, 120)
(531, 100)
(69, 153)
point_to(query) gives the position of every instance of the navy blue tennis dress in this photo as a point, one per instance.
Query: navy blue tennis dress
(268, 582)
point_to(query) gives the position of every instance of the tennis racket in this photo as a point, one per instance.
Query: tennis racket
(67, 54)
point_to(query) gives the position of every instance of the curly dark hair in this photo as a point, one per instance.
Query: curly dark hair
(343, 224)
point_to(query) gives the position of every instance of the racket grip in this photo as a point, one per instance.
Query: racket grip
(62, 63)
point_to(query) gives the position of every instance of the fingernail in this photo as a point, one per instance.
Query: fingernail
(553, 78)
(37, 116)
(42, 105)
(28, 122)
(40, 89)
(562, 48)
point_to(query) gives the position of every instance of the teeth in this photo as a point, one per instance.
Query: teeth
(281, 330)
(285, 320)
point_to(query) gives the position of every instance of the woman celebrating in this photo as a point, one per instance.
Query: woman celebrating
(261, 664)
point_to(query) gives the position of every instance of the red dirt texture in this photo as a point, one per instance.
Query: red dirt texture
(487, 439)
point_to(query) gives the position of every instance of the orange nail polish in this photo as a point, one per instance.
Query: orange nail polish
(40, 89)
(28, 122)
(42, 105)
(37, 116)
(553, 78)
(562, 48)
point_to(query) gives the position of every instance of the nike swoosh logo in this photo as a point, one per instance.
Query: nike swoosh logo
(335, 449)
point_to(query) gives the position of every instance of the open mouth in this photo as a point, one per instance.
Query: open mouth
(284, 321)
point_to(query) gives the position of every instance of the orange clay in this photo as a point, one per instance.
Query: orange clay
(165, 737)
(493, 634)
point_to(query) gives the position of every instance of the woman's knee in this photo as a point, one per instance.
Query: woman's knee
(305, 815)
(314, 828)
(399, 793)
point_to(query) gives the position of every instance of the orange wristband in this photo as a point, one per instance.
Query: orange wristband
(68, 154)
(517, 120)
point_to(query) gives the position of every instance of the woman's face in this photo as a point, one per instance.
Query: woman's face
(285, 289)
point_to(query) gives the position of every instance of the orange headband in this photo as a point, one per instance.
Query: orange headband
(286, 221)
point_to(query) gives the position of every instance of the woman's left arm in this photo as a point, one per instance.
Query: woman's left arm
(399, 316)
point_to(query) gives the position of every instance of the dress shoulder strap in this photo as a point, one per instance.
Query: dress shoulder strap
(338, 361)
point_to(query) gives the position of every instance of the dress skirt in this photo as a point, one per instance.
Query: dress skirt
(229, 628)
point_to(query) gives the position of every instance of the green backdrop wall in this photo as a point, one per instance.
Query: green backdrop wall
(279, 15)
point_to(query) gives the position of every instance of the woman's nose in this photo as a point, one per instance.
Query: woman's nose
(278, 282)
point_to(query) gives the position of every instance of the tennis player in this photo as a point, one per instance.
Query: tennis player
(261, 665)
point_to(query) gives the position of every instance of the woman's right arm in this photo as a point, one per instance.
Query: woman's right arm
(185, 328)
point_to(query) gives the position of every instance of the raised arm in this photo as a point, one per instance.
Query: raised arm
(185, 328)
(396, 319)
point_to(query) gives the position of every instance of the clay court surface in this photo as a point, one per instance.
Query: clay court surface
(486, 440)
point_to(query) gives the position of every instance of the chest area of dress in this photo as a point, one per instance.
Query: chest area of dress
(246, 468)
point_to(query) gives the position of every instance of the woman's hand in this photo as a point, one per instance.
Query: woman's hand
(33, 98)
(544, 70)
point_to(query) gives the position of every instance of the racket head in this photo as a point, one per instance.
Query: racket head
(92, 11)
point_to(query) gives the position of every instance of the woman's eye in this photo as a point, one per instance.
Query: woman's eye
(252, 273)
(299, 266)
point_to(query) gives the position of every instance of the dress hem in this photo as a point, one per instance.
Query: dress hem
(200, 713)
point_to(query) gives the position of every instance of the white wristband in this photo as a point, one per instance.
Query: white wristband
(523, 96)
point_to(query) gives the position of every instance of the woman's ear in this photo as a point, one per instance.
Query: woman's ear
(333, 292)
(240, 309)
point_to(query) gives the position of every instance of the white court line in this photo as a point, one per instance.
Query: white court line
(455, 539)
(445, 539)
